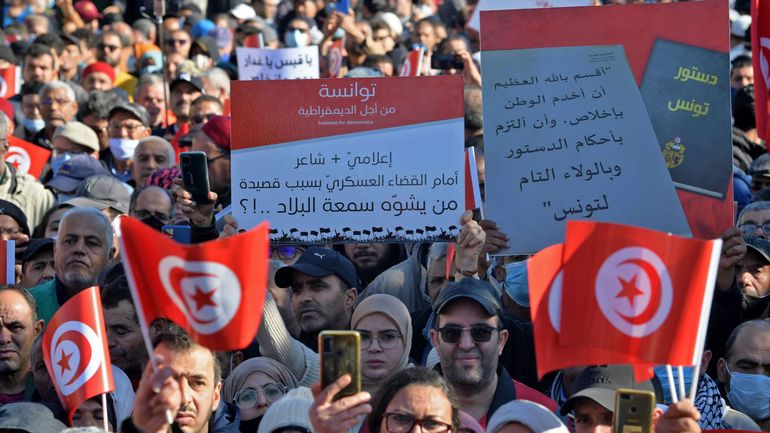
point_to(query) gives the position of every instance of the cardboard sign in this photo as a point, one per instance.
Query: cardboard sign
(350, 160)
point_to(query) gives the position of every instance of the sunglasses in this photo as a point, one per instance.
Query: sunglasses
(286, 252)
(479, 333)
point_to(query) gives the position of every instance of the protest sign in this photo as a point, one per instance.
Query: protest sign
(568, 137)
(350, 159)
(495, 5)
(637, 28)
(277, 64)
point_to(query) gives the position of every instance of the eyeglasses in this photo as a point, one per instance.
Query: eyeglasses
(286, 252)
(129, 127)
(479, 333)
(50, 101)
(202, 118)
(247, 397)
(387, 339)
(9, 230)
(401, 423)
(174, 42)
(750, 228)
(108, 47)
(142, 214)
(98, 130)
(210, 160)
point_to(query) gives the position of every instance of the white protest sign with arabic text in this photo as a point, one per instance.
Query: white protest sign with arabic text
(278, 64)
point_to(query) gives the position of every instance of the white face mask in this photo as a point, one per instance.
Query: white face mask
(123, 148)
(34, 125)
(297, 38)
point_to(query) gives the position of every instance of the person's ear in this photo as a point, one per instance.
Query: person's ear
(722, 373)
(705, 360)
(501, 340)
(38, 327)
(434, 337)
(350, 298)
(217, 396)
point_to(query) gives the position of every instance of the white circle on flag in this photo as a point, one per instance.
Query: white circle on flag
(634, 291)
(554, 301)
(67, 356)
(207, 293)
(19, 158)
(3, 87)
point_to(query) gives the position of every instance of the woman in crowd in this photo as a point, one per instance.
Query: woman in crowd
(386, 337)
(413, 396)
(254, 385)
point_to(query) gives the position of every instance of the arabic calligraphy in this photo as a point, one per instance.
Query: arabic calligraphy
(693, 74)
(693, 107)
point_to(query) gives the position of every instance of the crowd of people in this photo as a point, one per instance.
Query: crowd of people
(116, 90)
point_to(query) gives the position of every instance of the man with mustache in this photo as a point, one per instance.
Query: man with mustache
(187, 383)
(58, 106)
(19, 326)
(84, 247)
(184, 90)
(323, 284)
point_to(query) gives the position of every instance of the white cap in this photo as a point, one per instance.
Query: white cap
(532, 415)
(740, 25)
(243, 12)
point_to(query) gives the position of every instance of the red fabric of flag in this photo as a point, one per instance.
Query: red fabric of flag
(412, 64)
(75, 350)
(760, 53)
(214, 290)
(637, 291)
(544, 271)
(25, 157)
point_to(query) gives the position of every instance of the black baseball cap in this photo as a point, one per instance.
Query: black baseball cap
(760, 246)
(133, 109)
(470, 288)
(13, 211)
(35, 247)
(599, 384)
(319, 262)
(184, 77)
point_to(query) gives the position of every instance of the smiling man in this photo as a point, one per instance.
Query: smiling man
(82, 250)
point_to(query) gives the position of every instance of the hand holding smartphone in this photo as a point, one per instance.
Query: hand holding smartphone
(340, 354)
(195, 174)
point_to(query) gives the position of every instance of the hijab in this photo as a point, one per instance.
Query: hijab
(396, 311)
(267, 366)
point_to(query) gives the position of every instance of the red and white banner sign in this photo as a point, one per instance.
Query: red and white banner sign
(26, 157)
(760, 54)
(350, 160)
(75, 350)
(335, 57)
(214, 290)
(10, 81)
(412, 66)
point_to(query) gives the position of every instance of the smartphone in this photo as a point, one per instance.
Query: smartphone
(340, 354)
(195, 174)
(179, 233)
(446, 61)
(633, 411)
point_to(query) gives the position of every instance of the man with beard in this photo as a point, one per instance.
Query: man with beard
(37, 265)
(371, 259)
(108, 50)
(149, 94)
(152, 205)
(19, 326)
(469, 337)
(83, 249)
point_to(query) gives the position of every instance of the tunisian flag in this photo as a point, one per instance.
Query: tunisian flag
(8, 262)
(412, 66)
(546, 279)
(75, 350)
(637, 291)
(336, 57)
(26, 158)
(10, 81)
(214, 290)
(760, 54)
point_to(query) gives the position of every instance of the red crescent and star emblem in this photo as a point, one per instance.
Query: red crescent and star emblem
(634, 291)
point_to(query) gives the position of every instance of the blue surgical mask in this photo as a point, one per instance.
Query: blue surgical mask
(58, 162)
(660, 372)
(34, 125)
(750, 394)
(296, 39)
